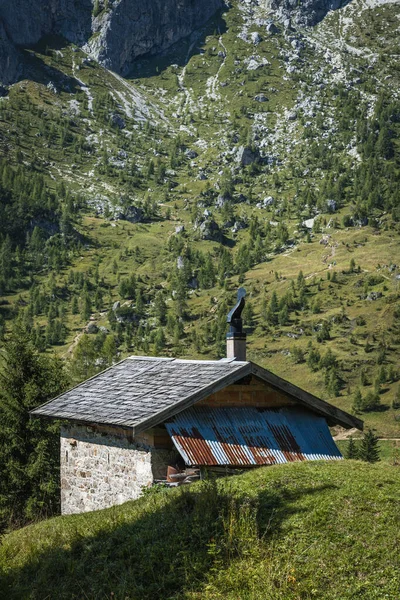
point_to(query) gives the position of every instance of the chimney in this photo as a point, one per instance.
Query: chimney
(236, 338)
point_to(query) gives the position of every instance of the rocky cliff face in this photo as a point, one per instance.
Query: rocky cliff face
(135, 28)
(303, 12)
(122, 31)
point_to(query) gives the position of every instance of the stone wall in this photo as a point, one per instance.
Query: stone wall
(100, 469)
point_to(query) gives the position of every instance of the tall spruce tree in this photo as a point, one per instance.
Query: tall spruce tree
(29, 452)
(369, 447)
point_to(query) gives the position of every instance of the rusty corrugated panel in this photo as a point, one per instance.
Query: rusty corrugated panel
(250, 436)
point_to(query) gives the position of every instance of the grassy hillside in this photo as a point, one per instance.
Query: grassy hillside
(322, 530)
(321, 109)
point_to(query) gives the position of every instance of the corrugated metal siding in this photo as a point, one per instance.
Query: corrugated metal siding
(250, 436)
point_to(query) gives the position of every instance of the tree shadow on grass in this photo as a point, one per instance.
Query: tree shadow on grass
(158, 548)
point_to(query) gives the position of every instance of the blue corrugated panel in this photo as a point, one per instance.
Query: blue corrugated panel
(250, 436)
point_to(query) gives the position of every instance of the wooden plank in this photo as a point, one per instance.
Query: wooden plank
(334, 414)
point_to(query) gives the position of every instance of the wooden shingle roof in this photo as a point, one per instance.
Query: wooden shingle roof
(141, 392)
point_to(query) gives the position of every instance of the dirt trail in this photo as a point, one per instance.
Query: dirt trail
(348, 433)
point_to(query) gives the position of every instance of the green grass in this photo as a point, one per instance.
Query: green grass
(297, 531)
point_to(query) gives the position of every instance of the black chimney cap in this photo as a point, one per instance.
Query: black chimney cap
(234, 317)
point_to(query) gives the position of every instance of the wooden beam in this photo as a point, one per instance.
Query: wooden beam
(333, 414)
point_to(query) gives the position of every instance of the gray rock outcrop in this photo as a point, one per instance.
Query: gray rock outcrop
(115, 37)
(246, 156)
(307, 12)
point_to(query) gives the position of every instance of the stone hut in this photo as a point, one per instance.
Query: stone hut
(124, 427)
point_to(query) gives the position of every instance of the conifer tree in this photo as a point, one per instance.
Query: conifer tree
(352, 450)
(273, 309)
(358, 402)
(369, 447)
(396, 399)
(159, 341)
(28, 446)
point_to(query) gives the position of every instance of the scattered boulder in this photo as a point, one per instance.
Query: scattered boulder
(228, 224)
(133, 214)
(309, 223)
(331, 205)
(272, 29)
(268, 201)
(92, 328)
(117, 121)
(246, 156)
(238, 226)
(255, 38)
(261, 98)
(191, 154)
(287, 24)
(116, 305)
(209, 230)
(52, 87)
(372, 296)
(221, 201)
(180, 263)
(179, 229)
(193, 283)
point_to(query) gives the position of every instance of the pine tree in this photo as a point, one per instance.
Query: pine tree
(159, 341)
(83, 363)
(28, 446)
(109, 349)
(160, 308)
(396, 399)
(74, 305)
(283, 316)
(369, 447)
(248, 314)
(273, 309)
(86, 309)
(371, 401)
(352, 450)
(358, 402)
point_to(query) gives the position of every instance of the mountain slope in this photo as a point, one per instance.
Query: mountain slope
(254, 153)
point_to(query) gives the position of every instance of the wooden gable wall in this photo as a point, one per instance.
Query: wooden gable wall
(249, 392)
